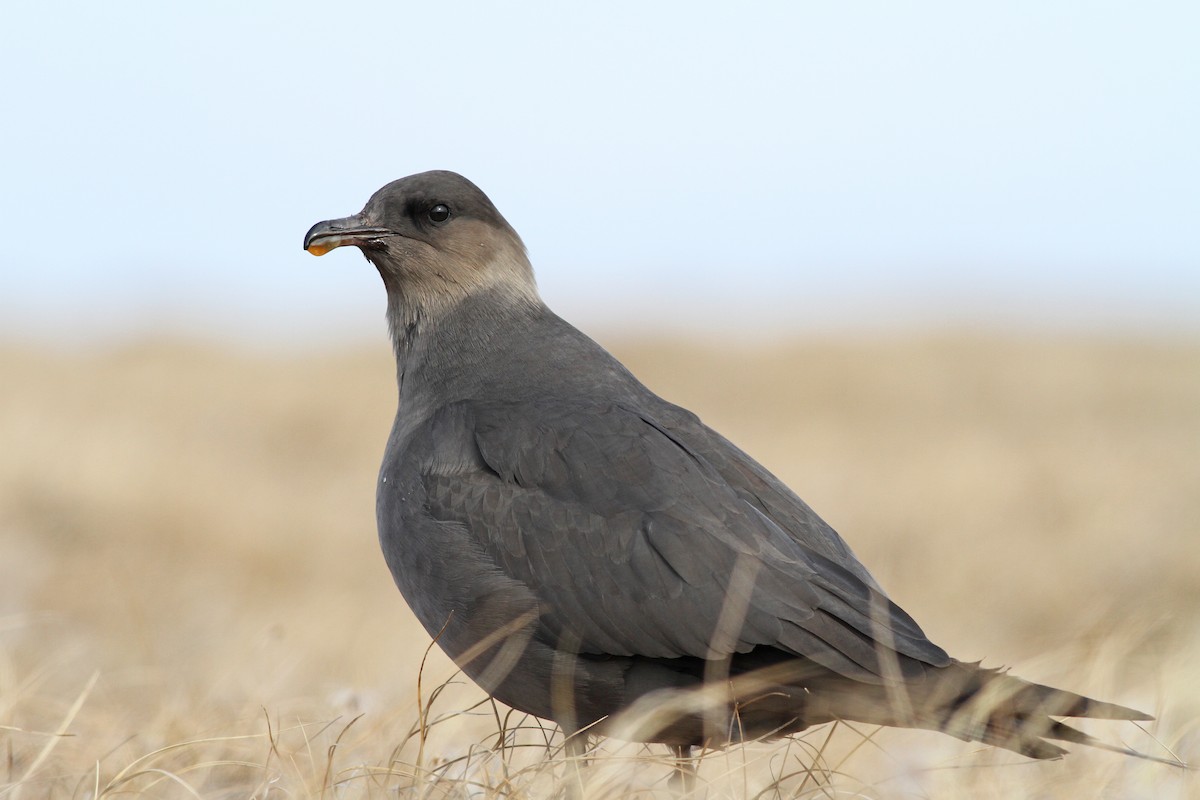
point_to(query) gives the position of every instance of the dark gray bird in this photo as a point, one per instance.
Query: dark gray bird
(580, 546)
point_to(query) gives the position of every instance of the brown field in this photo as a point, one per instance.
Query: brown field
(193, 604)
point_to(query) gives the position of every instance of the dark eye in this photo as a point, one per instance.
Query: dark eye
(439, 213)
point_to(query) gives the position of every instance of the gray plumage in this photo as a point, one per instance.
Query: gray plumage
(578, 544)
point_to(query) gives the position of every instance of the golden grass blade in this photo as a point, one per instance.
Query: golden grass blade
(54, 740)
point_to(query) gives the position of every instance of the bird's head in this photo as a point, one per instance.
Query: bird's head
(435, 238)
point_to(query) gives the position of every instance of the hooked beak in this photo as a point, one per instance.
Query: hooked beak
(333, 233)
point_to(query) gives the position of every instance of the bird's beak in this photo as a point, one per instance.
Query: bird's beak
(325, 236)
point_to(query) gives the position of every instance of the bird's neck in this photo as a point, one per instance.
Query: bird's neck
(405, 320)
(419, 300)
(436, 337)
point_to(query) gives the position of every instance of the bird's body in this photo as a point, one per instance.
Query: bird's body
(580, 546)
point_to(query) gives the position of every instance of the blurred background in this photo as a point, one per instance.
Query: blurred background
(938, 267)
(790, 164)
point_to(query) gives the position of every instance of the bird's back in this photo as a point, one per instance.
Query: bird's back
(527, 355)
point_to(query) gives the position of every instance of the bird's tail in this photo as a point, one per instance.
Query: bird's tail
(990, 706)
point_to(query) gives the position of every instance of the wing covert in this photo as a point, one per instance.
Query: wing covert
(635, 543)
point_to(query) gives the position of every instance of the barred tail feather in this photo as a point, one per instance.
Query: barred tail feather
(995, 708)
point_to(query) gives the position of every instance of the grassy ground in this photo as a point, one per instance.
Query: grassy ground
(192, 601)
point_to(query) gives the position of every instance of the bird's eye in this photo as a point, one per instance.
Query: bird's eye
(439, 213)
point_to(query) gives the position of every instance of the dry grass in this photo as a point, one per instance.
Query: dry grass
(192, 602)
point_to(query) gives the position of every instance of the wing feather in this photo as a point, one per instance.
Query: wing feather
(630, 531)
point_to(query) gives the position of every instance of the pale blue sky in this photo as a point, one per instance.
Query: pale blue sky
(744, 167)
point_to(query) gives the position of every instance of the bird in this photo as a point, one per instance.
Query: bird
(584, 549)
